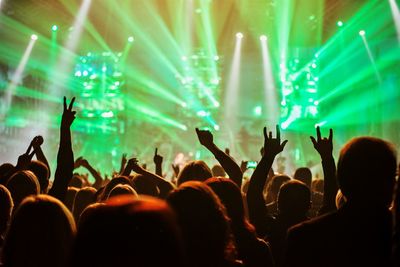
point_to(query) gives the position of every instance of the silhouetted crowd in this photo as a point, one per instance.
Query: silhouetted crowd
(203, 217)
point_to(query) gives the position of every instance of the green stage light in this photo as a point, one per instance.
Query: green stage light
(54, 28)
(339, 23)
(131, 39)
(34, 37)
(362, 33)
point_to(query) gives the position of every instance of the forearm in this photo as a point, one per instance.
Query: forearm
(65, 165)
(228, 163)
(330, 185)
(162, 184)
(159, 169)
(41, 157)
(96, 175)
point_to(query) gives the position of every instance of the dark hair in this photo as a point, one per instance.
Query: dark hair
(144, 185)
(194, 171)
(294, 198)
(204, 224)
(40, 234)
(42, 174)
(366, 170)
(133, 232)
(22, 184)
(83, 198)
(304, 175)
(114, 181)
(6, 206)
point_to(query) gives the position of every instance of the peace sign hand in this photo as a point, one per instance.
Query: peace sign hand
(68, 115)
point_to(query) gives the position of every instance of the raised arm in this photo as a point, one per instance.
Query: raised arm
(227, 162)
(162, 184)
(324, 147)
(36, 144)
(96, 175)
(158, 159)
(258, 212)
(65, 156)
(124, 160)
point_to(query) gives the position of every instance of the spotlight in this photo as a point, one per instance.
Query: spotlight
(339, 23)
(263, 38)
(239, 35)
(54, 28)
(34, 37)
(362, 33)
(131, 39)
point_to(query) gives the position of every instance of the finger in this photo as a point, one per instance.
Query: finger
(330, 135)
(265, 132)
(65, 103)
(29, 149)
(278, 133)
(155, 153)
(71, 104)
(284, 144)
(318, 134)
(313, 141)
(270, 135)
(30, 156)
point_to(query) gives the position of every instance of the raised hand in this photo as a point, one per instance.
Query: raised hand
(158, 159)
(175, 168)
(205, 137)
(273, 146)
(133, 165)
(124, 159)
(68, 115)
(324, 146)
(37, 141)
(243, 165)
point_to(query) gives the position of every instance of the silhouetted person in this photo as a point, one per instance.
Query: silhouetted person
(83, 198)
(42, 174)
(359, 233)
(304, 175)
(6, 207)
(122, 189)
(204, 224)
(40, 234)
(144, 186)
(128, 232)
(194, 171)
(21, 185)
(273, 190)
(251, 250)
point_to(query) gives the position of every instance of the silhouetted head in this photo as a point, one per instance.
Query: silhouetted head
(133, 232)
(6, 207)
(230, 196)
(122, 189)
(218, 171)
(294, 199)
(203, 221)
(5, 168)
(83, 198)
(70, 197)
(303, 175)
(76, 181)
(275, 184)
(194, 171)
(317, 186)
(366, 171)
(40, 234)
(113, 182)
(145, 186)
(21, 185)
(42, 174)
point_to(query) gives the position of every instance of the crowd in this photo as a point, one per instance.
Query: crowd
(205, 217)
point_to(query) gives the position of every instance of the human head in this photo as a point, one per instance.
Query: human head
(203, 221)
(304, 175)
(145, 186)
(366, 171)
(22, 184)
(122, 189)
(194, 171)
(83, 198)
(113, 182)
(6, 207)
(218, 171)
(42, 174)
(294, 199)
(40, 234)
(275, 184)
(133, 232)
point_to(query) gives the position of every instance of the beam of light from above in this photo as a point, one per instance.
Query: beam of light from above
(18, 74)
(232, 90)
(66, 60)
(270, 96)
(396, 16)
(371, 56)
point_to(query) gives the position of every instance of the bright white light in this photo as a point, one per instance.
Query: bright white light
(263, 38)
(34, 37)
(362, 33)
(396, 16)
(216, 58)
(239, 35)
(216, 127)
(131, 39)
